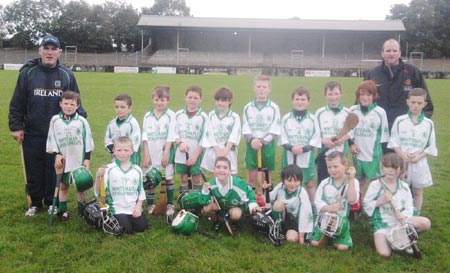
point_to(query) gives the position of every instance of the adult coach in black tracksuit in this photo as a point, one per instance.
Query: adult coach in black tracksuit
(35, 100)
(394, 80)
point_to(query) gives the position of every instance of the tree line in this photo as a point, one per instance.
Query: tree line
(112, 25)
(92, 28)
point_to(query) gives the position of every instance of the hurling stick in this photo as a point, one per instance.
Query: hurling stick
(220, 212)
(24, 175)
(267, 191)
(160, 208)
(415, 248)
(188, 172)
(351, 121)
(102, 191)
(59, 173)
(260, 181)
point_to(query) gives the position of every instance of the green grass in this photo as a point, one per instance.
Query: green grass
(29, 245)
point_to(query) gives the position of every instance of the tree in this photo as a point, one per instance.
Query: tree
(427, 24)
(28, 20)
(168, 8)
(124, 20)
(73, 27)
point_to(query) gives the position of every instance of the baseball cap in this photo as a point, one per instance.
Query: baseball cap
(50, 39)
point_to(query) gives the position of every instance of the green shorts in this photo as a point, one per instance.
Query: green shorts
(344, 237)
(308, 174)
(66, 178)
(369, 170)
(268, 157)
(182, 168)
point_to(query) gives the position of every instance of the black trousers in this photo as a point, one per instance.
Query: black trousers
(131, 224)
(322, 170)
(40, 170)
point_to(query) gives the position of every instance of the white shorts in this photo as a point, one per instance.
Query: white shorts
(419, 174)
(209, 159)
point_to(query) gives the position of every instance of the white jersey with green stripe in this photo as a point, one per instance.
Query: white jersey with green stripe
(129, 127)
(70, 137)
(383, 216)
(191, 130)
(413, 137)
(329, 193)
(224, 130)
(259, 121)
(301, 132)
(296, 204)
(157, 131)
(123, 188)
(331, 122)
(371, 131)
(236, 193)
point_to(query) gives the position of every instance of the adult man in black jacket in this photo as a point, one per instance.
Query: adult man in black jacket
(35, 100)
(394, 80)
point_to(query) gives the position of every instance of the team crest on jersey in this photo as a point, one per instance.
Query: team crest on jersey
(58, 84)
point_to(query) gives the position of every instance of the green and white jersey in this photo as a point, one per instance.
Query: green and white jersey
(70, 137)
(303, 132)
(157, 131)
(413, 137)
(371, 131)
(328, 193)
(237, 193)
(297, 205)
(123, 188)
(331, 122)
(260, 121)
(383, 216)
(129, 127)
(224, 130)
(191, 129)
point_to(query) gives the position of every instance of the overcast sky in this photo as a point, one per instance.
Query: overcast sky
(282, 9)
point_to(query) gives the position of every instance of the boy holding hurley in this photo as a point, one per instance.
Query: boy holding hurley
(70, 138)
(261, 123)
(300, 134)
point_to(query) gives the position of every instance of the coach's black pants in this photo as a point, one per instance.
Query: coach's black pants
(131, 224)
(40, 170)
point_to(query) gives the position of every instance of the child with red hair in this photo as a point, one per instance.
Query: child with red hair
(372, 130)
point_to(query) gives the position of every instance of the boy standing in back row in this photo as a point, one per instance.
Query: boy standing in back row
(413, 138)
(124, 124)
(157, 140)
(191, 126)
(261, 123)
(331, 119)
(70, 139)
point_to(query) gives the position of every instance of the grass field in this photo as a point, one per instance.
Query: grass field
(29, 245)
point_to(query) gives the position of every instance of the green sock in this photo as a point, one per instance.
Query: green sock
(62, 206)
(198, 188)
(184, 189)
(277, 214)
(170, 188)
(150, 198)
